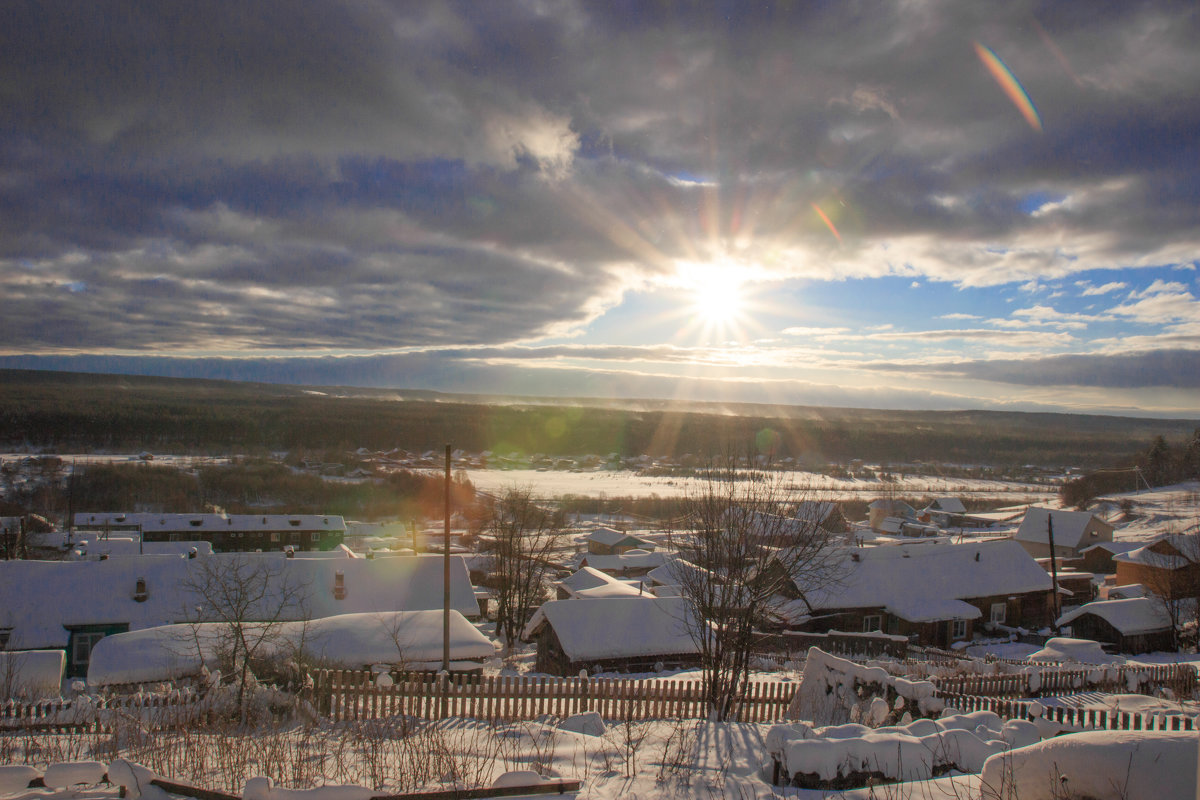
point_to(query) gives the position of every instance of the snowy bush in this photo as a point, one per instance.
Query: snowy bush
(835, 689)
(1104, 765)
(846, 756)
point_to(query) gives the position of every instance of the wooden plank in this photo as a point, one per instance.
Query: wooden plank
(192, 791)
(555, 787)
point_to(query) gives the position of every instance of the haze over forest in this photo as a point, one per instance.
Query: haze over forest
(80, 413)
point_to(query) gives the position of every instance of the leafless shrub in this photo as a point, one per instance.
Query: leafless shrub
(678, 749)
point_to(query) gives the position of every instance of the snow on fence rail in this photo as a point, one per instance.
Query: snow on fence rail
(353, 695)
(1043, 680)
(1076, 718)
(84, 713)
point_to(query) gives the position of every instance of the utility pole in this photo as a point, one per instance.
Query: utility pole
(1053, 569)
(446, 575)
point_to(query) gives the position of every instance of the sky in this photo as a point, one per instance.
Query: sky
(924, 204)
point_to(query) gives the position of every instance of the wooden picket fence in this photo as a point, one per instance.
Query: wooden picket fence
(354, 695)
(1078, 718)
(167, 710)
(1053, 680)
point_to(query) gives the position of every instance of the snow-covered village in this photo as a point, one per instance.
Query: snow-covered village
(616, 400)
(762, 642)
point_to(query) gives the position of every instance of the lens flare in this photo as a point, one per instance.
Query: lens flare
(1010, 86)
(828, 222)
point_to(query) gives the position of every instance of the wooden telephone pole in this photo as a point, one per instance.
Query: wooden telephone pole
(1053, 571)
(446, 575)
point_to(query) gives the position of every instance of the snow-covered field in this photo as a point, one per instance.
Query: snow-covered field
(629, 483)
(624, 483)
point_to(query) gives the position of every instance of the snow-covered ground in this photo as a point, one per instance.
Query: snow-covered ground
(625, 483)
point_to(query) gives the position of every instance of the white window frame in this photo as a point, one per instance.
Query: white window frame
(958, 629)
(999, 613)
(878, 626)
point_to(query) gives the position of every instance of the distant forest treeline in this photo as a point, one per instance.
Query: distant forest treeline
(1160, 464)
(74, 412)
(256, 487)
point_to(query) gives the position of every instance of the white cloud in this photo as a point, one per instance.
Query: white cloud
(818, 332)
(1159, 287)
(1112, 286)
(1160, 308)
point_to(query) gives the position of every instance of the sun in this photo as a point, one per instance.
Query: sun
(717, 292)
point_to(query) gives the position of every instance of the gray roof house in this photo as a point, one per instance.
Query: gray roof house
(1074, 532)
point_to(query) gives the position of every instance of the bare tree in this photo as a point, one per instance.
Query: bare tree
(750, 553)
(521, 536)
(250, 597)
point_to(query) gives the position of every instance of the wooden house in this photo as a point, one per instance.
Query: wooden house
(633, 634)
(228, 533)
(73, 605)
(1169, 566)
(1074, 531)
(936, 594)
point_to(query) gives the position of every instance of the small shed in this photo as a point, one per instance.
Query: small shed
(613, 634)
(1136, 625)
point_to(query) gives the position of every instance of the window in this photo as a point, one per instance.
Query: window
(998, 613)
(316, 536)
(84, 642)
(274, 536)
(4, 634)
(958, 629)
(872, 622)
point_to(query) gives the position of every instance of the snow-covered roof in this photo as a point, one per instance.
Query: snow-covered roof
(922, 575)
(1148, 557)
(675, 572)
(893, 507)
(1066, 649)
(43, 598)
(931, 609)
(610, 537)
(589, 582)
(632, 627)
(1070, 527)
(1111, 547)
(95, 545)
(631, 559)
(348, 641)
(815, 511)
(207, 523)
(1130, 616)
(950, 505)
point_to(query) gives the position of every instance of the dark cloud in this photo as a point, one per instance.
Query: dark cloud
(1179, 369)
(244, 178)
